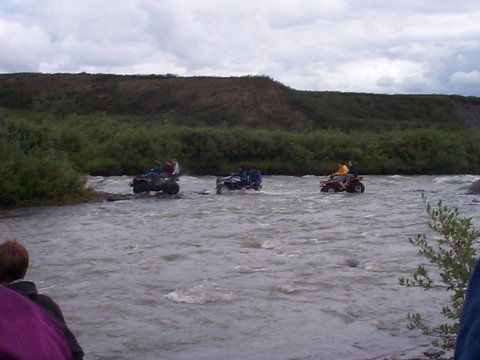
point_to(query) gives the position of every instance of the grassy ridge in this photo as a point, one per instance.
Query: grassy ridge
(254, 102)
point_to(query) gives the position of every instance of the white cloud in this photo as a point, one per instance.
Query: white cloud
(20, 45)
(462, 78)
(344, 45)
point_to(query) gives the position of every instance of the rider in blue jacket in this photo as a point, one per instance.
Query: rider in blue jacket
(157, 169)
(254, 176)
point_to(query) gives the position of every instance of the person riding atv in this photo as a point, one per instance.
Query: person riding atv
(161, 178)
(340, 174)
(242, 179)
(352, 185)
(344, 179)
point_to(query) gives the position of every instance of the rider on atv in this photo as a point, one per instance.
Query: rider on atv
(254, 177)
(341, 174)
(157, 169)
(243, 175)
(352, 171)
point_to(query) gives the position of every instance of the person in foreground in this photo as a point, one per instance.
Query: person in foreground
(27, 332)
(467, 346)
(14, 261)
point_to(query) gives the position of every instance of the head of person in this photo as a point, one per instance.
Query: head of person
(13, 261)
(340, 163)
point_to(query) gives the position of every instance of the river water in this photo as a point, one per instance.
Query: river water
(283, 273)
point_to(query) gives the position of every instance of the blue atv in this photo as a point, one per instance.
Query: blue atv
(233, 183)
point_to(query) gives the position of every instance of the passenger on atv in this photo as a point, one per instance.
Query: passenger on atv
(352, 170)
(255, 178)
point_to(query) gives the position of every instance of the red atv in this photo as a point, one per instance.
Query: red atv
(353, 185)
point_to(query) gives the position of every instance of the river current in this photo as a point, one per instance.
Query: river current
(283, 273)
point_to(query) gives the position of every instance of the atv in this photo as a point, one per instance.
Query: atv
(232, 183)
(143, 185)
(353, 185)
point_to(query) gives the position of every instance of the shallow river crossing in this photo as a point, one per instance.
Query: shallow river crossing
(284, 273)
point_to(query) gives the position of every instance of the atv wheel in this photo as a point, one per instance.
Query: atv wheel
(330, 188)
(140, 187)
(357, 188)
(222, 189)
(170, 188)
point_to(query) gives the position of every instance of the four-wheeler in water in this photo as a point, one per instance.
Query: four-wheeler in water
(232, 183)
(144, 185)
(353, 185)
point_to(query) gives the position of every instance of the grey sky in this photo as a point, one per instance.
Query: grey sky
(375, 46)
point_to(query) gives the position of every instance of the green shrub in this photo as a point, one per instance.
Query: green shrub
(104, 144)
(32, 167)
(453, 258)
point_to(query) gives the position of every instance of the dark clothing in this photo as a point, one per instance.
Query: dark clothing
(352, 170)
(255, 177)
(159, 167)
(29, 290)
(169, 169)
(468, 345)
(243, 175)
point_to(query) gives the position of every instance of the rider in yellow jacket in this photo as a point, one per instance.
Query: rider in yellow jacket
(342, 169)
(341, 174)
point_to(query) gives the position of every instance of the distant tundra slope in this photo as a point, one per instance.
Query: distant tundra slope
(249, 101)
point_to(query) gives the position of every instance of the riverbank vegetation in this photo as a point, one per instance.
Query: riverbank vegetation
(33, 164)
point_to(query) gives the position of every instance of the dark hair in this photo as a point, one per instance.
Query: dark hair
(13, 261)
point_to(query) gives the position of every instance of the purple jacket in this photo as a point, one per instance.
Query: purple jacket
(29, 290)
(27, 332)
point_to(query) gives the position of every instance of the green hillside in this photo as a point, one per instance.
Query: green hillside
(257, 102)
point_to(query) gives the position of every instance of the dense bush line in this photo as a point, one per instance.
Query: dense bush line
(32, 165)
(104, 145)
(42, 153)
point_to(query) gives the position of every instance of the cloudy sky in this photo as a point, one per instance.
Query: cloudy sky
(389, 46)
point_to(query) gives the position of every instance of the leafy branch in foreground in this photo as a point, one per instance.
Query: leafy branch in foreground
(453, 255)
